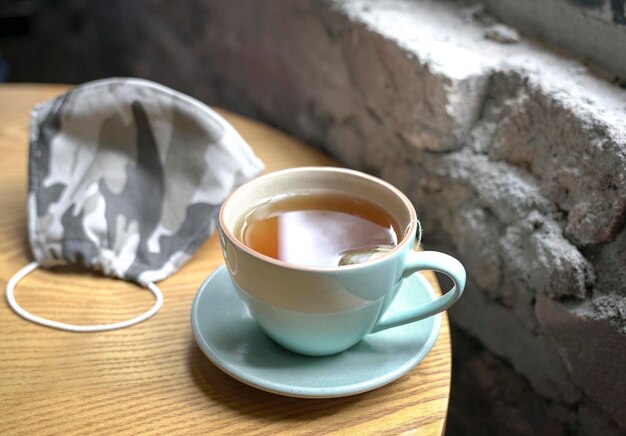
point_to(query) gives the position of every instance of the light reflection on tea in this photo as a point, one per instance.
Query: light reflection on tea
(317, 229)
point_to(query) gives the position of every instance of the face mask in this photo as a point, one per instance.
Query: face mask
(127, 177)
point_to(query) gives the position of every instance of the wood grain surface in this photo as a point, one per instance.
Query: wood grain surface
(152, 378)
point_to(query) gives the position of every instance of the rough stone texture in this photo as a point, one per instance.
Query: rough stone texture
(563, 149)
(514, 157)
(502, 33)
(608, 260)
(592, 351)
(595, 29)
(531, 354)
(489, 398)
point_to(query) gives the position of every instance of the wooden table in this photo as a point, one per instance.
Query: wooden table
(152, 378)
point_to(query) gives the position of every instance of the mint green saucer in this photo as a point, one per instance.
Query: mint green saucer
(231, 339)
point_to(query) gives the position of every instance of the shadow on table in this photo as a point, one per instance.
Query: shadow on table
(245, 399)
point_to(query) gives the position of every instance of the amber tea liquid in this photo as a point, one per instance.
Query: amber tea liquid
(316, 229)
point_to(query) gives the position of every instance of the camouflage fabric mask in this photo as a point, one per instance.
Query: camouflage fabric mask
(127, 177)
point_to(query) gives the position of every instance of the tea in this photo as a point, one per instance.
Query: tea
(316, 229)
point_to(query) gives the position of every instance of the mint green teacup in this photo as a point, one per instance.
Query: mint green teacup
(324, 310)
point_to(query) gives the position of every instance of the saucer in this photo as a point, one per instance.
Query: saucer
(232, 340)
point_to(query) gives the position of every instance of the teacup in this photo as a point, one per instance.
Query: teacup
(325, 310)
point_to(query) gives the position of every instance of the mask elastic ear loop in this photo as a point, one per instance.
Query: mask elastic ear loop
(72, 327)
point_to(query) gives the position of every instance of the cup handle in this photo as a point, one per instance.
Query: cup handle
(427, 260)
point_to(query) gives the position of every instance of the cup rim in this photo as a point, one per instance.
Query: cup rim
(405, 240)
